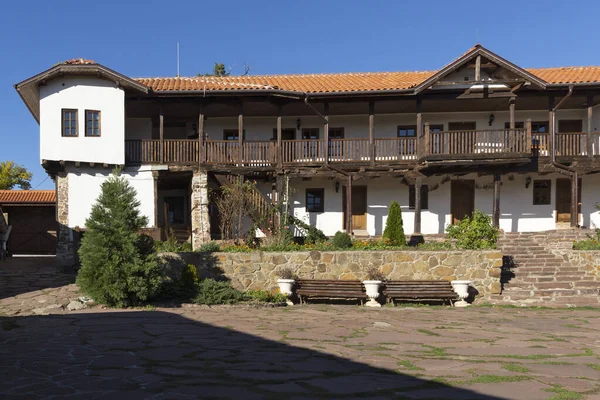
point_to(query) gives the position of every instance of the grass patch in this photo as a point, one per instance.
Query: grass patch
(497, 379)
(594, 366)
(571, 326)
(427, 332)
(515, 368)
(563, 394)
(435, 351)
(408, 365)
(537, 346)
(555, 363)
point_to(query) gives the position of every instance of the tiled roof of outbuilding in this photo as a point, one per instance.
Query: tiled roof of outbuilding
(27, 196)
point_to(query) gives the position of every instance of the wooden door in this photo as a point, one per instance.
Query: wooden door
(359, 207)
(462, 199)
(33, 230)
(563, 199)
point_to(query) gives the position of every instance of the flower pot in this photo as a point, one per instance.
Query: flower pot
(462, 290)
(372, 288)
(286, 287)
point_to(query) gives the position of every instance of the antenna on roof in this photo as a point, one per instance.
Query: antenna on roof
(178, 59)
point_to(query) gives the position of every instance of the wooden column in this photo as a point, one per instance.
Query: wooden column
(511, 112)
(590, 136)
(417, 227)
(279, 142)
(550, 125)
(574, 200)
(201, 139)
(326, 133)
(419, 132)
(161, 136)
(478, 68)
(528, 140)
(496, 205)
(427, 149)
(241, 133)
(349, 205)
(155, 179)
(372, 132)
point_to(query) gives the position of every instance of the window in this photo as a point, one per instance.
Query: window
(541, 191)
(69, 122)
(570, 125)
(424, 197)
(315, 200)
(92, 123)
(539, 127)
(435, 128)
(232, 134)
(407, 131)
(518, 125)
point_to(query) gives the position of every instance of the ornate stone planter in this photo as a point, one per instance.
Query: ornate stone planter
(372, 288)
(286, 287)
(462, 290)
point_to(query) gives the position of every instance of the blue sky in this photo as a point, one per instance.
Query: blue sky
(138, 39)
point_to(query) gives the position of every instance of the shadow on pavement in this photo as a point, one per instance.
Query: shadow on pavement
(19, 275)
(163, 355)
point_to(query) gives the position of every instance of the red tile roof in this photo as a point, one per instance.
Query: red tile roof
(79, 61)
(27, 196)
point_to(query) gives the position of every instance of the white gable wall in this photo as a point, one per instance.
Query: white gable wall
(82, 94)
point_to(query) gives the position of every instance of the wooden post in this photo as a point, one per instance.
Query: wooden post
(426, 150)
(550, 125)
(155, 179)
(590, 137)
(349, 205)
(511, 111)
(574, 200)
(528, 140)
(496, 205)
(478, 68)
(201, 138)
(326, 133)
(279, 142)
(420, 141)
(241, 133)
(372, 132)
(417, 227)
(161, 135)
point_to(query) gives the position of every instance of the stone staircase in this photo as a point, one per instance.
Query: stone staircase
(533, 274)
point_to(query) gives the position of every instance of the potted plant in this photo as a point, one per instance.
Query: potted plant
(372, 284)
(462, 290)
(286, 282)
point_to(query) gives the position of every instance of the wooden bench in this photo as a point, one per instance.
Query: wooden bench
(330, 289)
(419, 290)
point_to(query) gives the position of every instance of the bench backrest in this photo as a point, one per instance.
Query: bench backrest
(309, 283)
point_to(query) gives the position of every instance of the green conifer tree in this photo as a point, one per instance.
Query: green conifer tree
(394, 229)
(118, 266)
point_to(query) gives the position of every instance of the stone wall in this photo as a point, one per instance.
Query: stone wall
(65, 246)
(586, 261)
(259, 270)
(200, 217)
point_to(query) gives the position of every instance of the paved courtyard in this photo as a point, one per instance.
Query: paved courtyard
(299, 352)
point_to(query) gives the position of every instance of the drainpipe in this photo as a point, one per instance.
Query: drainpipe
(317, 112)
(572, 171)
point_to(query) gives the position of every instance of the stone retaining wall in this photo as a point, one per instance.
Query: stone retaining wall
(587, 261)
(259, 270)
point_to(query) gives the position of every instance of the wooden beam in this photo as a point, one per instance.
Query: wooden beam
(496, 204)
(528, 140)
(511, 111)
(161, 134)
(550, 124)
(419, 132)
(241, 133)
(349, 205)
(155, 179)
(202, 142)
(426, 139)
(279, 140)
(417, 224)
(326, 133)
(372, 132)
(590, 136)
(478, 68)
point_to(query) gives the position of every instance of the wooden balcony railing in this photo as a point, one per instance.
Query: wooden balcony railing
(266, 153)
(478, 142)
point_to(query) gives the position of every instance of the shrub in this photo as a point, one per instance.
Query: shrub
(210, 291)
(312, 234)
(342, 240)
(172, 245)
(286, 273)
(394, 229)
(475, 232)
(588, 244)
(264, 296)
(210, 247)
(118, 266)
(189, 276)
(374, 274)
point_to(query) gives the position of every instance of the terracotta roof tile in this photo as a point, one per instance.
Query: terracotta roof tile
(27, 196)
(79, 61)
(568, 74)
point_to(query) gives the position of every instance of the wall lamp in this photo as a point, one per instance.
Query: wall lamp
(527, 182)
(337, 187)
(491, 120)
(298, 123)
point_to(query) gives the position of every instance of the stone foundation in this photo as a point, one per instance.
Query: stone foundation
(199, 203)
(65, 246)
(259, 270)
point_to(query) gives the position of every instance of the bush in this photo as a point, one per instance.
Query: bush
(286, 273)
(312, 234)
(475, 232)
(394, 229)
(342, 240)
(210, 247)
(264, 296)
(210, 291)
(374, 274)
(118, 266)
(172, 245)
(189, 276)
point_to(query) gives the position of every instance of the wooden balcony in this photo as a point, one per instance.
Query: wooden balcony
(451, 145)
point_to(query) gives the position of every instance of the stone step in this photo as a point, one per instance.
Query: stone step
(566, 301)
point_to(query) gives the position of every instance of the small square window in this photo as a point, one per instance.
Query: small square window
(315, 199)
(92, 123)
(424, 197)
(69, 123)
(542, 192)
(407, 131)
